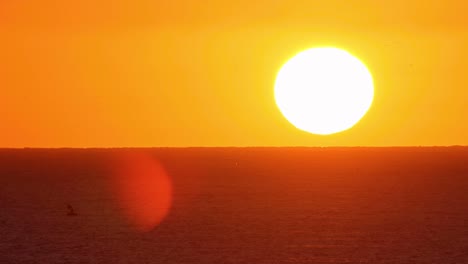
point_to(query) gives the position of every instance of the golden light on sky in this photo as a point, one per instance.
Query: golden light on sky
(324, 90)
(201, 73)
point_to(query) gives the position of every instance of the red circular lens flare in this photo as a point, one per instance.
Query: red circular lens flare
(144, 190)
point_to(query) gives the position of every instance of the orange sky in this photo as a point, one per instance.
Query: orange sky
(201, 73)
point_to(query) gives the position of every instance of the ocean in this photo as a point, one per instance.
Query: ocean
(234, 205)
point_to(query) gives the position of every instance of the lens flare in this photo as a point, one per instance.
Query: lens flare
(143, 190)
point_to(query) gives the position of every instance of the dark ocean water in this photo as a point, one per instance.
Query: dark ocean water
(235, 205)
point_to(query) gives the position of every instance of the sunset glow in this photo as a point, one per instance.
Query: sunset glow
(246, 131)
(181, 73)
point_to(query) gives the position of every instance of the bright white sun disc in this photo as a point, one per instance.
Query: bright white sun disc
(324, 90)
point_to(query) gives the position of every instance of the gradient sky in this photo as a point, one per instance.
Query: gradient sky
(201, 73)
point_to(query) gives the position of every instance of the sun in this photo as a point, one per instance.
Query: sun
(324, 90)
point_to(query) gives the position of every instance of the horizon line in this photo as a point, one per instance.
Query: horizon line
(232, 147)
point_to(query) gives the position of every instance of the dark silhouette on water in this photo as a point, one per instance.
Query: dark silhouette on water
(71, 211)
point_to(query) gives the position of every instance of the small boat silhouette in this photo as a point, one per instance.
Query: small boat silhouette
(71, 211)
